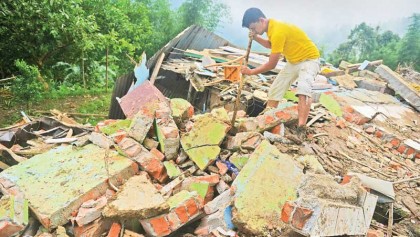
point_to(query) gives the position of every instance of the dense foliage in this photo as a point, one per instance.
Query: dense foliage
(368, 43)
(68, 40)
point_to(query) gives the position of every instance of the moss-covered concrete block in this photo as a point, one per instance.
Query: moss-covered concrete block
(202, 142)
(57, 182)
(265, 183)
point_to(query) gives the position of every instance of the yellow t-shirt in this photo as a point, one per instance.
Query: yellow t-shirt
(290, 41)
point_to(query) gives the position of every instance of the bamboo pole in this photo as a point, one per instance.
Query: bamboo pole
(241, 83)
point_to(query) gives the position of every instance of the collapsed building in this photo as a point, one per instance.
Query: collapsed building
(176, 165)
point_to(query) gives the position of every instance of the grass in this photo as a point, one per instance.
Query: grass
(84, 102)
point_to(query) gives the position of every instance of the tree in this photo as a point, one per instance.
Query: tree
(206, 13)
(26, 86)
(410, 45)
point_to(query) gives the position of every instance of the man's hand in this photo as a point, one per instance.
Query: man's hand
(246, 71)
(251, 34)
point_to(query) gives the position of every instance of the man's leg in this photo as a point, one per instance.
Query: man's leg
(307, 73)
(304, 106)
(281, 84)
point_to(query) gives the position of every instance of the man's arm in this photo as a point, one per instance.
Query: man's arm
(264, 42)
(272, 63)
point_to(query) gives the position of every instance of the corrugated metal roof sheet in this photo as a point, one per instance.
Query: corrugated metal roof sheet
(194, 37)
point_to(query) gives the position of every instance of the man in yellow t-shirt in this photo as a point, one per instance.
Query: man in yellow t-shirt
(301, 54)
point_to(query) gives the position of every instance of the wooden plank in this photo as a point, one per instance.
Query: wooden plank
(156, 69)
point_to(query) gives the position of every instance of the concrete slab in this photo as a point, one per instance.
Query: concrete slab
(56, 183)
(202, 142)
(266, 182)
(138, 198)
(397, 83)
(325, 208)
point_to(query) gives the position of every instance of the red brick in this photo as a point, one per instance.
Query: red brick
(348, 109)
(401, 149)
(7, 228)
(375, 233)
(182, 214)
(192, 207)
(300, 217)
(170, 132)
(378, 134)
(211, 179)
(162, 113)
(222, 167)
(286, 211)
(160, 225)
(370, 130)
(120, 136)
(283, 116)
(394, 165)
(191, 112)
(157, 154)
(276, 129)
(174, 222)
(348, 117)
(96, 228)
(410, 151)
(417, 156)
(155, 168)
(210, 195)
(346, 179)
(341, 123)
(115, 230)
(395, 142)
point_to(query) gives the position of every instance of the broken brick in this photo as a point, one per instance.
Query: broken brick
(222, 167)
(286, 211)
(130, 147)
(9, 228)
(401, 149)
(157, 154)
(184, 207)
(300, 217)
(115, 230)
(151, 164)
(395, 142)
(90, 211)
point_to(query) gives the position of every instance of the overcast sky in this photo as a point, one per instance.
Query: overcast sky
(327, 22)
(322, 19)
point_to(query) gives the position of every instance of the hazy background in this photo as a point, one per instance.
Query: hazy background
(327, 22)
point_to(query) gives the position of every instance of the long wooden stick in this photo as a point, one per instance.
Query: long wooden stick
(225, 63)
(382, 148)
(74, 114)
(406, 180)
(390, 219)
(241, 83)
(360, 163)
(156, 69)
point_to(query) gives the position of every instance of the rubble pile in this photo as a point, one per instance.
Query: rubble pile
(171, 170)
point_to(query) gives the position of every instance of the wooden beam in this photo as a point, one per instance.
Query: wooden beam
(156, 69)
